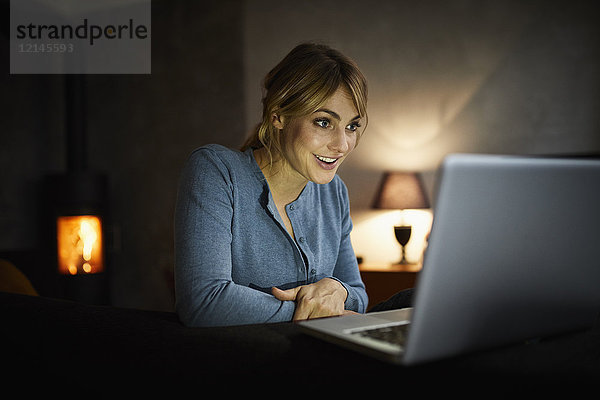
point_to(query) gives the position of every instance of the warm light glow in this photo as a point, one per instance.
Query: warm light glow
(373, 235)
(79, 244)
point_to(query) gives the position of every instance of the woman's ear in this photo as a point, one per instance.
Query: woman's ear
(277, 120)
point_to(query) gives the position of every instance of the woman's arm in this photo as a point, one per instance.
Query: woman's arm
(346, 268)
(205, 292)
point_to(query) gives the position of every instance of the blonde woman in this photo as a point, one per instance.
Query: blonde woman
(263, 234)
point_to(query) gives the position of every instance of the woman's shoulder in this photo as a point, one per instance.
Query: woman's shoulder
(216, 150)
(214, 161)
(219, 154)
(338, 185)
(336, 188)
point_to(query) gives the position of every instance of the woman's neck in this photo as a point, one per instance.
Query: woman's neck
(284, 183)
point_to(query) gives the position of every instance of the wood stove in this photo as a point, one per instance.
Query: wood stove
(76, 211)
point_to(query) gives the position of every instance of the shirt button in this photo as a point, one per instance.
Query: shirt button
(291, 207)
(313, 271)
(301, 239)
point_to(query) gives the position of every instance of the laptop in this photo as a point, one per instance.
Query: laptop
(512, 256)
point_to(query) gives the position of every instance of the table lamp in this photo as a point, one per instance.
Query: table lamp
(401, 191)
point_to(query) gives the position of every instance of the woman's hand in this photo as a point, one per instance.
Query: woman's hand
(324, 298)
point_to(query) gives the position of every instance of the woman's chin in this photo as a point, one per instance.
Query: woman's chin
(324, 177)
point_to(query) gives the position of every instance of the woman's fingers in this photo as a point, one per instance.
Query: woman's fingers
(285, 295)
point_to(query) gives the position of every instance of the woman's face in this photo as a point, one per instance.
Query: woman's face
(315, 145)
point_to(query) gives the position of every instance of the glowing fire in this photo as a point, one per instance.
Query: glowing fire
(79, 244)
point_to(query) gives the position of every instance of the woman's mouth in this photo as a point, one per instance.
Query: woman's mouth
(326, 162)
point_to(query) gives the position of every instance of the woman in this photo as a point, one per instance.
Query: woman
(263, 234)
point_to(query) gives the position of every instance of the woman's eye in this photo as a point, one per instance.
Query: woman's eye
(323, 123)
(353, 126)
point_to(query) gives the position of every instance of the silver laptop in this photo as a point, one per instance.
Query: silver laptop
(513, 255)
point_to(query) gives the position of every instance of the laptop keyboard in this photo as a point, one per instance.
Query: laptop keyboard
(394, 334)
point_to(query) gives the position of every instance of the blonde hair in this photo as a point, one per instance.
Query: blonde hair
(300, 84)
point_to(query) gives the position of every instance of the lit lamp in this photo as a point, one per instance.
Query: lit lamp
(401, 191)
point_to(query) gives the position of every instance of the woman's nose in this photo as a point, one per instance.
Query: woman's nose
(339, 141)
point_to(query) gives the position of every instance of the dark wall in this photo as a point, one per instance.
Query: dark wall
(444, 76)
(140, 129)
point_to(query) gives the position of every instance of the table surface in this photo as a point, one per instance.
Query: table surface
(374, 267)
(49, 337)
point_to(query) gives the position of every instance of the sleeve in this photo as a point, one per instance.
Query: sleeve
(205, 292)
(346, 269)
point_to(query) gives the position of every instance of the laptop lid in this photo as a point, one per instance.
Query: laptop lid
(513, 254)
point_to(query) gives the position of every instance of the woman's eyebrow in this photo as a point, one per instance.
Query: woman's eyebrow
(334, 114)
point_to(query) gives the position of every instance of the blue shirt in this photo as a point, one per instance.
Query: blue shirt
(231, 245)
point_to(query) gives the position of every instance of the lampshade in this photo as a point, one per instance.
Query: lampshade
(401, 190)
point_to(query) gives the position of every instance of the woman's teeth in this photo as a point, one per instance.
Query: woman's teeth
(326, 159)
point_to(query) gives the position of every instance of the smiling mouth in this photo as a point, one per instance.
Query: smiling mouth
(326, 160)
(327, 163)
